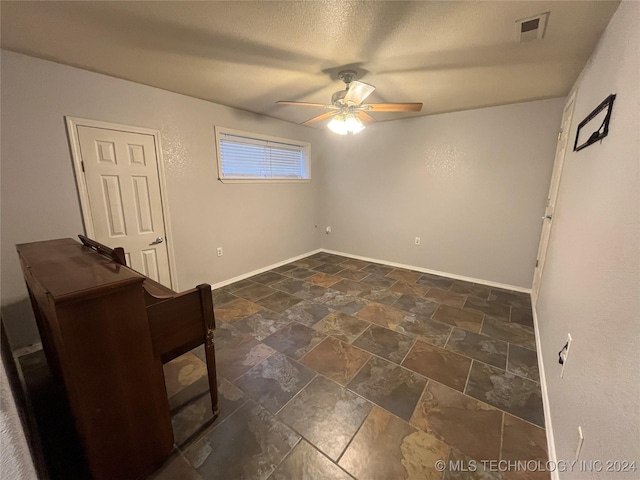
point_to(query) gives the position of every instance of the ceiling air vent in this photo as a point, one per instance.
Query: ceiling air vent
(531, 28)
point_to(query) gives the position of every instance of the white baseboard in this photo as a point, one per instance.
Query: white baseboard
(263, 269)
(433, 272)
(551, 445)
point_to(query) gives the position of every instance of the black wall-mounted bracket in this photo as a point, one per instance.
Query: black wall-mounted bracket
(603, 129)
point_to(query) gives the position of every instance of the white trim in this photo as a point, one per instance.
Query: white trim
(535, 286)
(306, 149)
(21, 352)
(551, 445)
(433, 272)
(83, 193)
(263, 269)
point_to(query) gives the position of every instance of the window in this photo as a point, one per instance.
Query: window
(249, 157)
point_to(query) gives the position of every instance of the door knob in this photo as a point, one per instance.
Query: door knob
(157, 241)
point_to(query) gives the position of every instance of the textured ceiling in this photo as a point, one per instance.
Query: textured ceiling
(449, 55)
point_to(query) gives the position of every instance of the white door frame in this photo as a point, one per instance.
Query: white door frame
(555, 182)
(72, 129)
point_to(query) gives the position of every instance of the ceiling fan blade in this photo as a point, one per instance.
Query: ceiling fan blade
(365, 118)
(394, 107)
(319, 118)
(305, 104)
(357, 92)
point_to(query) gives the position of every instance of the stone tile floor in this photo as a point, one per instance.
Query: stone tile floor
(336, 368)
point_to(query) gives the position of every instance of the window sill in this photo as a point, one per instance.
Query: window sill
(264, 180)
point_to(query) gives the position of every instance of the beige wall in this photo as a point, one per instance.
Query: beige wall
(591, 283)
(256, 224)
(471, 184)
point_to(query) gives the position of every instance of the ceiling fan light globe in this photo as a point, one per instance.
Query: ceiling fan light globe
(353, 124)
(338, 125)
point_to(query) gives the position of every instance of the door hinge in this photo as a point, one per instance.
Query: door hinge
(537, 261)
(82, 165)
(559, 135)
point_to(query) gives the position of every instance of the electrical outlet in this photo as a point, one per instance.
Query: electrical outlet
(564, 354)
(219, 251)
(417, 241)
(328, 230)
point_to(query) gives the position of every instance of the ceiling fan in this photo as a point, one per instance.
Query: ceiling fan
(347, 112)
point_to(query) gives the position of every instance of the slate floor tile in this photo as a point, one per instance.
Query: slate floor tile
(435, 281)
(388, 448)
(524, 441)
(235, 310)
(278, 301)
(275, 381)
(385, 343)
(478, 347)
(489, 307)
(523, 316)
(467, 468)
(267, 278)
(252, 437)
(509, 332)
(509, 297)
(377, 269)
(473, 427)
(328, 268)
(409, 289)
(523, 362)
(351, 274)
(176, 467)
(458, 317)
(309, 291)
(354, 264)
(323, 279)
(406, 276)
(416, 305)
(378, 281)
(255, 292)
(341, 326)
(445, 297)
(336, 360)
(467, 288)
(221, 296)
(425, 329)
(289, 285)
(182, 372)
(305, 462)
(262, 324)
(283, 268)
(300, 273)
(351, 287)
(307, 312)
(294, 340)
(383, 315)
(326, 414)
(308, 263)
(390, 386)
(506, 391)
(196, 414)
(237, 352)
(383, 295)
(438, 364)
(343, 302)
(239, 285)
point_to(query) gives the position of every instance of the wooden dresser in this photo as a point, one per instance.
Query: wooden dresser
(106, 331)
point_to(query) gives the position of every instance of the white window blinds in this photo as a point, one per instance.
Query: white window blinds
(245, 157)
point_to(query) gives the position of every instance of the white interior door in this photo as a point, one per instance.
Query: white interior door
(563, 143)
(120, 171)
